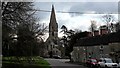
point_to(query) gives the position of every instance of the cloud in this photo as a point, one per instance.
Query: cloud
(77, 22)
(42, 6)
(95, 7)
(73, 21)
(47, 6)
(75, 0)
(82, 7)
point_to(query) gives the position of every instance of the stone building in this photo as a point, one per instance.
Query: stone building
(81, 54)
(97, 47)
(52, 42)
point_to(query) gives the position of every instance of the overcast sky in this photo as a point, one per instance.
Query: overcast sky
(88, 11)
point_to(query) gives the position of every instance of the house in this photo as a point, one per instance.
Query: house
(97, 46)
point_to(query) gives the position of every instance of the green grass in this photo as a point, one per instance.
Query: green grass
(24, 62)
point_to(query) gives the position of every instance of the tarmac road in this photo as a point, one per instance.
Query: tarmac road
(62, 63)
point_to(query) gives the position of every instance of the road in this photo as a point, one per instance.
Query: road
(61, 63)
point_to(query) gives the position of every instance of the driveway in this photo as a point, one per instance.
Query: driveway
(61, 63)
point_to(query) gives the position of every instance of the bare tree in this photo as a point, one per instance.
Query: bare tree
(108, 19)
(13, 13)
(18, 19)
(93, 26)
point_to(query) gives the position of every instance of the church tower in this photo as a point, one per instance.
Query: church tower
(53, 26)
(52, 43)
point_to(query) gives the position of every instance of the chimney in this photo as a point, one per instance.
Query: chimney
(96, 32)
(90, 34)
(103, 31)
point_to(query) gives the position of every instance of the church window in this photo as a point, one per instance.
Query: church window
(52, 33)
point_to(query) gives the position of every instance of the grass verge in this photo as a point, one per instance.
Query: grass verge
(24, 62)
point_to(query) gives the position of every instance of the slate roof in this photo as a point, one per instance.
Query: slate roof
(99, 40)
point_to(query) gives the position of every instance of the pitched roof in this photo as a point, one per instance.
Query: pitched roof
(99, 40)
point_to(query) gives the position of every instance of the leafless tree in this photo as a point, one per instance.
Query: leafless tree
(93, 26)
(18, 18)
(108, 19)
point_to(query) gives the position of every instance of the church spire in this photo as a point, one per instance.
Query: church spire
(52, 7)
(53, 17)
(53, 26)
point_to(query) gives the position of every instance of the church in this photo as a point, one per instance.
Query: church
(52, 42)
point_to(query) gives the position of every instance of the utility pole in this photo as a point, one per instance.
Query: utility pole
(86, 52)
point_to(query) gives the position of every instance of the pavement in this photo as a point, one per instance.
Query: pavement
(62, 63)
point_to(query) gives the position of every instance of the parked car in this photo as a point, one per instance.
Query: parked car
(56, 56)
(92, 63)
(106, 63)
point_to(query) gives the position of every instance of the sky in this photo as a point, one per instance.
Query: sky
(88, 11)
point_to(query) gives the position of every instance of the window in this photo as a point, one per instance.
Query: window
(52, 33)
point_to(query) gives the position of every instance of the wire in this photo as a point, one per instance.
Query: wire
(59, 11)
(71, 12)
(44, 10)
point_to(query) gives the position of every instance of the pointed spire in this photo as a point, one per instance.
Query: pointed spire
(53, 22)
(53, 11)
(52, 6)
(53, 17)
